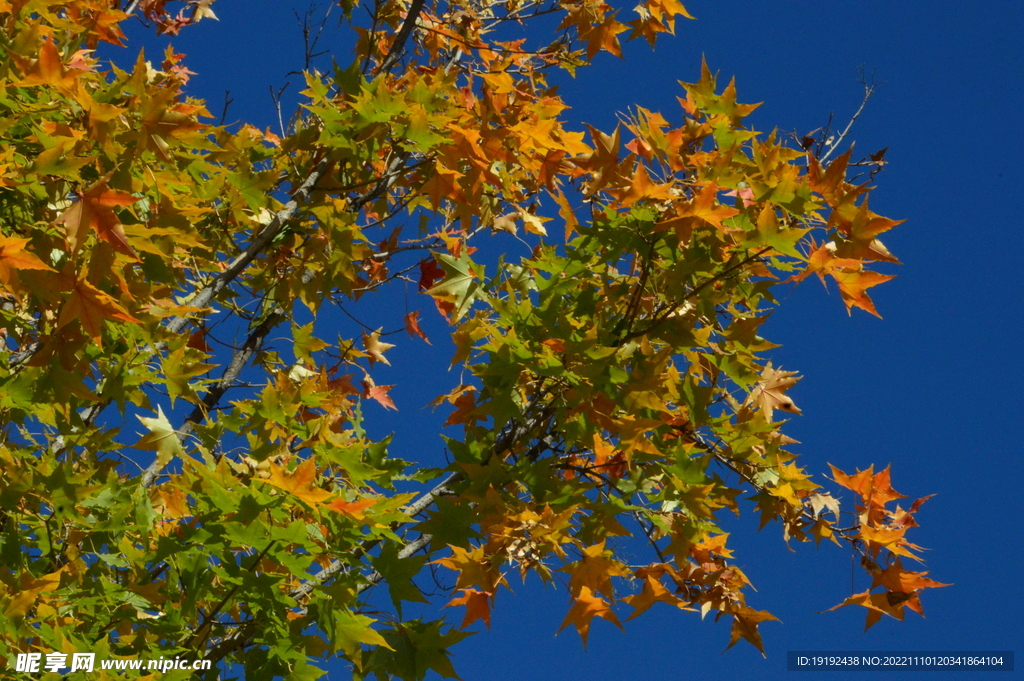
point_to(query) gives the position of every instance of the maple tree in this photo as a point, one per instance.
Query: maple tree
(613, 382)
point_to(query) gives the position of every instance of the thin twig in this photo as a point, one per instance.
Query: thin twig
(276, 98)
(868, 91)
(227, 102)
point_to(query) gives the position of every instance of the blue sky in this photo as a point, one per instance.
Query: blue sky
(934, 388)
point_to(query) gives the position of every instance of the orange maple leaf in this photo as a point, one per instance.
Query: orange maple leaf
(442, 184)
(875, 489)
(93, 211)
(705, 206)
(301, 482)
(653, 592)
(878, 604)
(13, 256)
(91, 307)
(641, 188)
(595, 571)
(852, 287)
(47, 69)
(603, 162)
(895, 578)
(585, 607)
(859, 483)
(412, 326)
(744, 625)
(849, 273)
(478, 606)
(890, 538)
(607, 461)
(602, 36)
(379, 393)
(354, 509)
(474, 567)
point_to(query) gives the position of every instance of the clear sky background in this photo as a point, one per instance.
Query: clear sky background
(935, 388)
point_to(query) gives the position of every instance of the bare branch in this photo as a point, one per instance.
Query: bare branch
(403, 35)
(227, 103)
(869, 89)
(238, 362)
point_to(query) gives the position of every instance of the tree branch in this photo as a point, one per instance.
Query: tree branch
(238, 362)
(395, 53)
(868, 91)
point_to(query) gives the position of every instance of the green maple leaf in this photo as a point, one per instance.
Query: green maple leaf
(178, 369)
(398, 573)
(460, 285)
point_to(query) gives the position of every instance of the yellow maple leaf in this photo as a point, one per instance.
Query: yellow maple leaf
(769, 393)
(375, 348)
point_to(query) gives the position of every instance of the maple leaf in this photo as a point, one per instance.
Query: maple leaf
(585, 607)
(474, 568)
(505, 223)
(878, 604)
(653, 592)
(161, 438)
(178, 369)
(465, 407)
(92, 212)
(47, 69)
(300, 482)
(459, 287)
(706, 207)
(443, 184)
(875, 489)
(603, 162)
(642, 188)
(412, 326)
(375, 348)
(478, 606)
(378, 393)
(13, 256)
(201, 10)
(744, 625)
(890, 538)
(429, 273)
(769, 394)
(354, 509)
(27, 593)
(848, 273)
(91, 307)
(602, 36)
(852, 287)
(533, 223)
(594, 571)
(821, 501)
(895, 578)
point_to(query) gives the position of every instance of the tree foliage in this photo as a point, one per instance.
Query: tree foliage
(611, 382)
